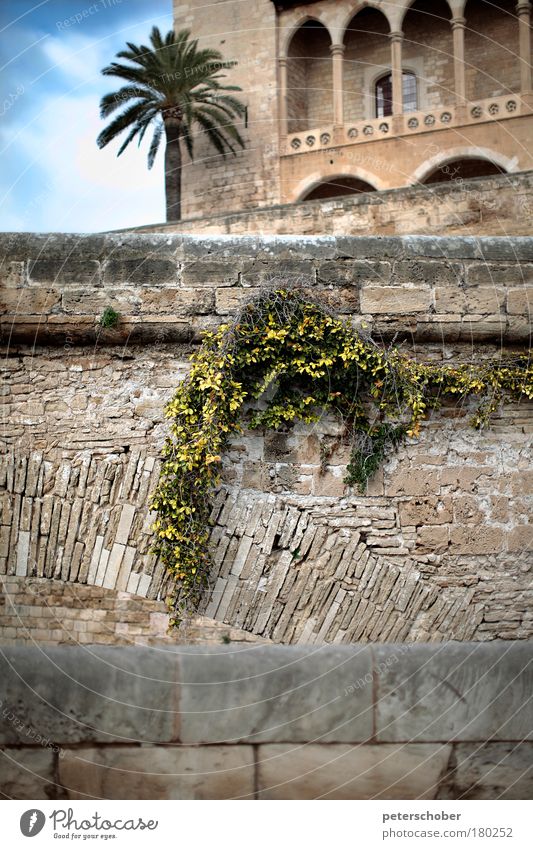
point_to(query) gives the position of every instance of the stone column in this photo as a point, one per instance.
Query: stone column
(337, 53)
(458, 28)
(523, 10)
(283, 117)
(396, 39)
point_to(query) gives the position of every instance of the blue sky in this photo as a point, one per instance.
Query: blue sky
(52, 175)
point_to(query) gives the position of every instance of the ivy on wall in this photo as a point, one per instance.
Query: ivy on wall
(294, 360)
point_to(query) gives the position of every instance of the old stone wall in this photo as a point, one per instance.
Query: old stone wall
(245, 33)
(440, 545)
(266, 722)
(499, 206)
(54, 612)
(493, 122)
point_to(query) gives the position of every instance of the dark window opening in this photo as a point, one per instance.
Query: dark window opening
(384, 94)
(463, 169)
(339, 187)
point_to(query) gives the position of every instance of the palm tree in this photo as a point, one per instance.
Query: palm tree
(172, 86)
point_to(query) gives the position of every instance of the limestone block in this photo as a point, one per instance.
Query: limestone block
(107, 694)
(65, 271)
(450, 300)
(27, 773)
(520, 301)
(179, 301)
(426, 511)
(230, 300)
(211, 272)
(142, 270)
(26, 302)
(395, 300)
(520, 538)
(94, 302)
(467, 692)
(475, 539)
(490, 771)
(354, 272)
(162, 772)
(433, 538)
(485, 300)
(413, 482)
(285, 271)
(126, 518)
(351, 772)
(485, 274)
(263, 696)
(429, 272)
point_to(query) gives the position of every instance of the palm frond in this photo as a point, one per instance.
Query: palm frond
(121, 122)
(169, 76)
(154, 146)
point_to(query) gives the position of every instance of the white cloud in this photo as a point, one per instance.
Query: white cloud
(87, 189)
(79, 58)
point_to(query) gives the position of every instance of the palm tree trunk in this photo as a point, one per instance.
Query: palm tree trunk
(173, 170)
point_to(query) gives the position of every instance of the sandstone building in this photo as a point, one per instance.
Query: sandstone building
(347, 97)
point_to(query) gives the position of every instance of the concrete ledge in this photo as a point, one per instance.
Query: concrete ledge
(431, 693)
(343, 722)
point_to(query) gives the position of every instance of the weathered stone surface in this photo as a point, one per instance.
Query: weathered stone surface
(339, 573)
(265, 696)
(469, 692)
(162, 772)
(211, 272)
(392, 300)
(144, 270)
(27, 773)
(338, 771)
(520, 301)
(64, 271)
(76, 694)
(508, 275)
(26, 302)
(489, 771)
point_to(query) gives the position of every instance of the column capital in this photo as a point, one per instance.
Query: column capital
(282, 61)
(337, 49)
(458, 23)
(523, 8)
(396, 36)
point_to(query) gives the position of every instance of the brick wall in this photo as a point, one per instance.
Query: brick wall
(439, 547)
(266, 722)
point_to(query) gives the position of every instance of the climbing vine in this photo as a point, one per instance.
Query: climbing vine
(286, 359)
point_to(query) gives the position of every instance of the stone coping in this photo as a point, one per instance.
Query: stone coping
(171, 288)
(395, 693)
(21, 246)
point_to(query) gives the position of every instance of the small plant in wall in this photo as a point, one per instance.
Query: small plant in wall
(109, 318)
(310, 361)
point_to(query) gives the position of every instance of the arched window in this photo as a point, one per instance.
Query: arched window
(384, 94)
(463, 169)
(338, 187)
